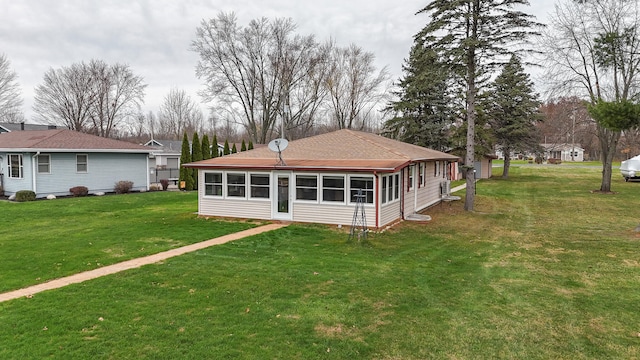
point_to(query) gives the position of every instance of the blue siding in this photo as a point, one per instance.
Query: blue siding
(103, 171)
(13, 185)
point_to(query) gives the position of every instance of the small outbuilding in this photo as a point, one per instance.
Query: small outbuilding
(50, 162)
(318, 178)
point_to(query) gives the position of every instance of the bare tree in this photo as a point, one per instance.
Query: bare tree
(94, 97)
(593, 51)
(118, 95)
(260, 73)
(65, 97)
(10, 100)
(179, 114)
(355, 87)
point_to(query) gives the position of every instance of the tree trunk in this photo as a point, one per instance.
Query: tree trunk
(472, 33)
(608, 144)
(507, 163)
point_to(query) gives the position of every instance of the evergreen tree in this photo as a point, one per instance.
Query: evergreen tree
(226, 150)
(243, 147)
(514, 112)
(196, 155)
(215, 152)
(425, 106)
(250, 147)
(234, 149)
(186, 174)
(473, 36)
(206, 147)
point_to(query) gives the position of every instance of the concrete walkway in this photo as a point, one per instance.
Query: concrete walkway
(134, 263)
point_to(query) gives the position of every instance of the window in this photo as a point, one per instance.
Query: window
(421, 174)
(213, 183)
(390, 188)
(82, 161)
(236, 185)
(364, 183)
(44, 164)
(333, 188)
(436, 169)
(396, 187)
(411, 171)
(15, 165)
(384, 189)
(306, 187)
(259, 186)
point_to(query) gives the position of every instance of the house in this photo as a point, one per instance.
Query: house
(9, 127)
(319, 177)
(564, 152)
(164, 161)
(53, 161)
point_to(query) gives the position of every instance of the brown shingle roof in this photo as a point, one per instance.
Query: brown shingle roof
(339, 150)
(64, 140)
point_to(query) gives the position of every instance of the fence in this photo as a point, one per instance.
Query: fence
(170, 174)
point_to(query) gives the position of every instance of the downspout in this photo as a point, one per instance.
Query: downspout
(402, 192)
(148, 175)
(377, 197)
(34, 164)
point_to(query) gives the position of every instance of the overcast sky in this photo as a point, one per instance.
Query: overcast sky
(153, 37)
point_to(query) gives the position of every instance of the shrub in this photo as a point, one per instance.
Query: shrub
(79, 191)
(123, 187)
(164, 183)
(155, 187)
(25, 195)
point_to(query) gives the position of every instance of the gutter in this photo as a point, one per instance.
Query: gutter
(34, 165)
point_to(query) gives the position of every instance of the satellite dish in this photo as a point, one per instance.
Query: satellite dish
(278, 145)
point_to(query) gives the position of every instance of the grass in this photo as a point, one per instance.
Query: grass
(51, 239)
(542, 269)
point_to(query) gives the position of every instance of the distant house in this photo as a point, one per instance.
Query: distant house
(564, 152)
(9, 127)
(164, 161)
(320, 177)
(53, 161)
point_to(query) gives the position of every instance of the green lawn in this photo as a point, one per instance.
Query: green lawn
(49, 239)
(543, 269)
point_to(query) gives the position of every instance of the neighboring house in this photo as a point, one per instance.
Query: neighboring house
(321, 176)
(53, 161)
(9, 127)
(164, 162)
(551, 151)
(564, 152)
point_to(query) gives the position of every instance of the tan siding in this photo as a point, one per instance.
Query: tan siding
(330, 214)
(246, 209)
(389, 212)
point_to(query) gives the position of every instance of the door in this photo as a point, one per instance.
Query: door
(282, 206)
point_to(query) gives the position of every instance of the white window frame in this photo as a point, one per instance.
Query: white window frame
(344, 188)
(383, 192)
(421, 172)
(227, 184)
(371, 190)
(268, 186)
(317, 187)
(86, 164)
(20, 174)
(48, 163)
(221, 184)
(393, 191)
(411, 177)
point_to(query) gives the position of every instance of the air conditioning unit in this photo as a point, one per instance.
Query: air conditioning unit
(445, 188)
